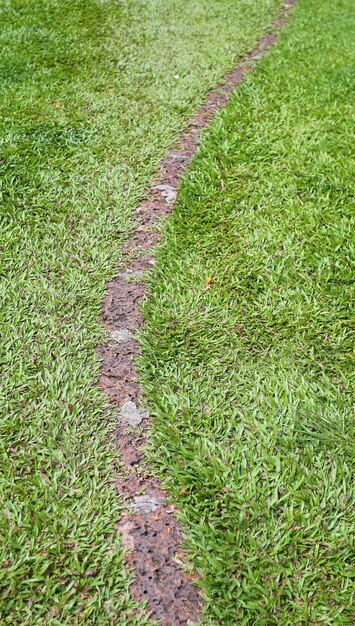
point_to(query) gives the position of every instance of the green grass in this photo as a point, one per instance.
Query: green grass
(92, 93)
(251, 381)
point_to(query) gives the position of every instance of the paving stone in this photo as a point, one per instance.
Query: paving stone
(131, 414)
(132, 275)
(122, 336)
(167, 191)
(146, 504)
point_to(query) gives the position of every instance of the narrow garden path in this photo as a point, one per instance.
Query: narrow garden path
(149, 527)
(243, 410)
(93, 94)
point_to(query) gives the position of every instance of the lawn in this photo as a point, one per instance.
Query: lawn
(93, 93)
(248, 347)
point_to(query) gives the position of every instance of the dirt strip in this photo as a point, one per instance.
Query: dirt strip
(149, 527)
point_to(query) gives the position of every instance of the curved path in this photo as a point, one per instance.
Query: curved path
(149, 527)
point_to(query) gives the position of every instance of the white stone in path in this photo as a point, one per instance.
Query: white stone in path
(131, 414)
(167, 191)
(131, 275)
(122, 336)
(146, 504)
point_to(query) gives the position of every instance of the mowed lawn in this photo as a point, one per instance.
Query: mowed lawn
(248, 349)
(92, 94)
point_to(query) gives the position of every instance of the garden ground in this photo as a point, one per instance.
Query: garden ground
(92, 95)
(253, 429)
